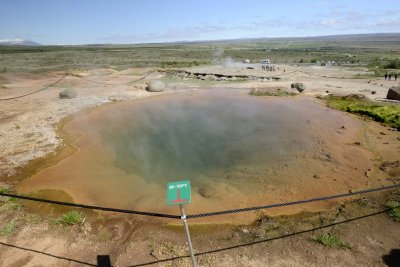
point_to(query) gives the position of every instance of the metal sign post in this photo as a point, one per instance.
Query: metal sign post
(178, 193)
(185, 225)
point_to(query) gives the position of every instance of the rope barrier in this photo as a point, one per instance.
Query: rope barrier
(318, 75)
(109, 84)
(285, 73)
(77, 76)
(145, 76)
(61, 203)
(199, 215)
(62, 78)
(285, 204)
(37, 91)
(313, 74)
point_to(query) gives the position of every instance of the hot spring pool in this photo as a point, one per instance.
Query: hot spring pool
(237, 150)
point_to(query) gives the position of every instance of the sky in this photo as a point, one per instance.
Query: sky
(74, 22)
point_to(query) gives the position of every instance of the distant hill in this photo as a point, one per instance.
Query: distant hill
(370, 40)
(366, 41)
(343, 37)
(20, 42)
(368, 37)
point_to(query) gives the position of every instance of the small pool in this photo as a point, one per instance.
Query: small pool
(237, 150)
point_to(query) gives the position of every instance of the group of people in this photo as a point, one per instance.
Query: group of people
(389, 76)
(268, 67)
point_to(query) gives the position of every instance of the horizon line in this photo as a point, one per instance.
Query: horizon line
(205, 40)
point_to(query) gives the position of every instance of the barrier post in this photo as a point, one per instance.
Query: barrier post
(186, 226)
(178, 193)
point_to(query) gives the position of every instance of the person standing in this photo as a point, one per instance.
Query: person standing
(386, 76)
(390, 77)
(395, 76)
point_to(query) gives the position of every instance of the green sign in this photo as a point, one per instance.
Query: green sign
(178, 193)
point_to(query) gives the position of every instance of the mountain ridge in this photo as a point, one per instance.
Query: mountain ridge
(18, 41)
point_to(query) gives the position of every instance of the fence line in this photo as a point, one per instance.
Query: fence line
(292, 203)
(324, 76)
(63, 77)
(37, 91)
(61, 203)
(199, 215)
(145, 76)
(110, 84)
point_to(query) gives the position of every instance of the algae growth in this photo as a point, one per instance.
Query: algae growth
(385, 113)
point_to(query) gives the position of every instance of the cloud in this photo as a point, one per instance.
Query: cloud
(321, 4)
(168, 34)
(350, 20)
(388, 22)
(12, 40)
(328, 22)
(188, 33)
(335, 20)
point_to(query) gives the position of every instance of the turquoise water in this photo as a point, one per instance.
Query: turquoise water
(196, 136)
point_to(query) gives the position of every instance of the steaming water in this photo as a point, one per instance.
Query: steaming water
(195, 136)
(237, 150)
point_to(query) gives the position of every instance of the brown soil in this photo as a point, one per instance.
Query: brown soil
(278, 241)
(28, 132)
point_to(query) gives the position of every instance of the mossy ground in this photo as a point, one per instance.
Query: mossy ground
(385, 113)
(330, 240)
(72, 218)
(8, 229)
(394, 210)
(277, 92)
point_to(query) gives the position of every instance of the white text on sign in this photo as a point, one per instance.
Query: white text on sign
(178, 186)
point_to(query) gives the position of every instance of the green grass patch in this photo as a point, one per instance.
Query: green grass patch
(393, 64)
(3, 190)
(8, 229)
(11, 203)
(385, 113)
(10, 206)
(32, 218)
(394, 211)
(330, 240)
(261, 92)
(177, 64)
(72, 218)
(366, 75)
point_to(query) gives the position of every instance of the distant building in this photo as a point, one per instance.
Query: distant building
(265, 61)
(266, 65)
